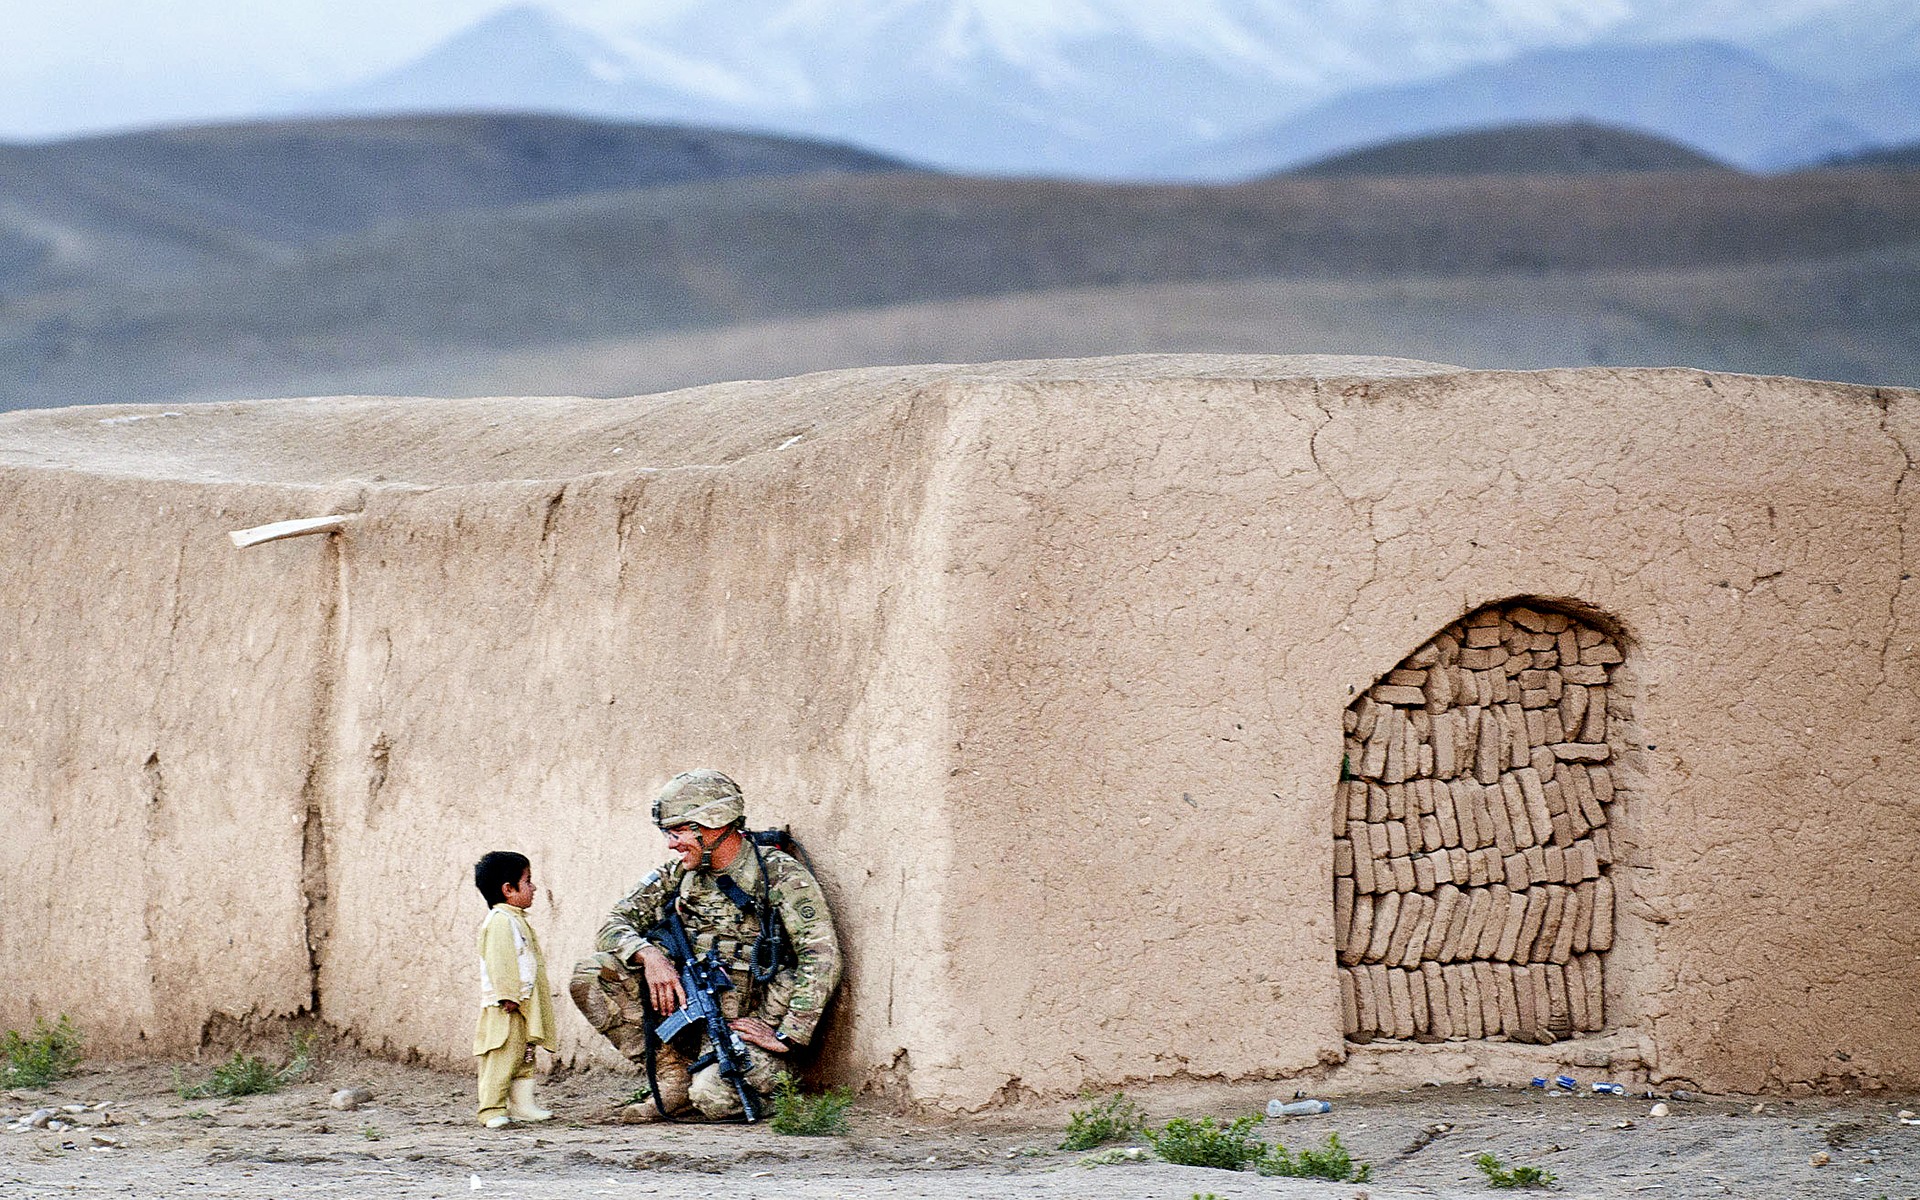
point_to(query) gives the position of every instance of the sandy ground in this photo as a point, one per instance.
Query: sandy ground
(415, 1138)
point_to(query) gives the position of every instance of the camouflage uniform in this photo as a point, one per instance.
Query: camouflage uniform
(791, 1003)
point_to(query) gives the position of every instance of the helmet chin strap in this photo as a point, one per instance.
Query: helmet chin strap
(707, 849)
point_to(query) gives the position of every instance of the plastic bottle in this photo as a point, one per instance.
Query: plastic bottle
(1297, 1108)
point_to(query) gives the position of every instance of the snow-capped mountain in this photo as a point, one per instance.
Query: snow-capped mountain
(1099, 87)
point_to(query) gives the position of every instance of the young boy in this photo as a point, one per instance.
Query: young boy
(514, 1016)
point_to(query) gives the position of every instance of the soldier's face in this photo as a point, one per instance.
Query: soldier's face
(689, 842)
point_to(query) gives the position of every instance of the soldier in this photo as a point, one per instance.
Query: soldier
(758, 906)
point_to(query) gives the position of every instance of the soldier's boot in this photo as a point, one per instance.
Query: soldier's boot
(672, 1080)
(520, 1105)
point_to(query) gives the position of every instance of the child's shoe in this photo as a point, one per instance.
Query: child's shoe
(499, 1122)
(520, 1105)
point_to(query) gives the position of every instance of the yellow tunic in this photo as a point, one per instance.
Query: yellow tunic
(511, 968)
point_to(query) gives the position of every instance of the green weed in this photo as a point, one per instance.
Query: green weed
(50, 1053)
(249, 1075)
(1111, 1120)
(799, 1115)
(371, 1133)
(1205, 1143)
(1500, 1175)
(1330, 1161)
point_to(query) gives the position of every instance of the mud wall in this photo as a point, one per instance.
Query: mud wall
(1046, 663)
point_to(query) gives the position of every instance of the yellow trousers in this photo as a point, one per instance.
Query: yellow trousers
(500, 1066)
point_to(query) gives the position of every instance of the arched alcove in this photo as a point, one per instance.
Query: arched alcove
(1473, 847)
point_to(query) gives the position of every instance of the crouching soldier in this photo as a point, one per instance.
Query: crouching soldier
(758, 908)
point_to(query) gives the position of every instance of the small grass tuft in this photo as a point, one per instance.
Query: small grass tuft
(249, 1074)
(47, 1055)
(1205, 1143)
(1500, 1175)
(799, 1115)
(371, 1133)
(1114, 1119)
(1330, 1161)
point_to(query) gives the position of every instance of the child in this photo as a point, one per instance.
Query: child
(514, 1017)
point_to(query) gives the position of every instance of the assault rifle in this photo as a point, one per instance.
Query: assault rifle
(703, 979)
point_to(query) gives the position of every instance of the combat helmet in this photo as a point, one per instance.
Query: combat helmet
(703, 797)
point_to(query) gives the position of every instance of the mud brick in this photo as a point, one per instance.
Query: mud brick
(1417, 994)
(1582, 861)
(1600, 654)
(1420, 797)
(1408, 919)
(1518, 660)
(1536, 857)
(1481, 637)
(1510, 922)
(1442, 860)
(1425, 876)
(1483, 914)
(1349, 1003)
(1367, 1017)
(1547, 661)
(1584, 752)
(1514, 808)
(1559, 1013)
(1531, 1019)
(1465, 812)
(1556, 862)
(1563, 831)
(1573, 705)
(1363, 860)
(1498, 691)
(1376, 989)
(1582, 917)
(1340, 793)
(1402, 998)
(1512, 1017)
(1584, 676)
(1438, 689)
(1557, 621)
(1466, 736)
(1427, 655)
(1377, 844)
(1366, 716)
(1446, 744)
(1542, 1003)
(1446, 898)
(1602, 779)
(1567, 643)
(1439, 1010)
(1519, 749)
(1533, 795)
(1397, 846)
(1576, 984)
(1342, 858)
(1556, 730)
(1459, 911)
(1351, 943)
(1457, 1002)
(1403, 877)
(1405, 677)
(1602, 846)
(1514, 871)
(1551, 914)
(1561, 951)
(1416, 945)
(1386, 915)
(1555, 684)
(1589, 636)
(1376, 805)
(1531, 919)
(1542, 762)
(1395, 795)
(1533, 700)
(1476, 1004)
(1486, 979)
(1349, 721)
(1470, 687)
(1601, 939)
(1594, 727)
(1578, 785)
(1531, 679)
(1554, 791)
(1462, 864)
(1490, 752)
(1399, 737)
(1486, 658)
(1388, 693)
(1343, 896)
(1492, 865)
(1528, 619)
(1374, 760)
(1444, 813)
(1431, 839)
(1422, 722)
(1595, 980)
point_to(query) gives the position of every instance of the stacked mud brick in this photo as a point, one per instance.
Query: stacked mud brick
(1471, 857)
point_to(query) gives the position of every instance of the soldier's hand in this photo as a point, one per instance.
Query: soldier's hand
(663, 982)
(757, 1032)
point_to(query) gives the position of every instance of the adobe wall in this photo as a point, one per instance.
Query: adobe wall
(1046, 663)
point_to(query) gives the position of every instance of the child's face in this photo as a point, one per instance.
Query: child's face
(520, 894)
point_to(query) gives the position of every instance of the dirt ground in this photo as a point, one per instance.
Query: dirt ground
(416, 1138)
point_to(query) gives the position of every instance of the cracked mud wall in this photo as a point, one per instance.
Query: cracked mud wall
(160, 695)
(1045, 663)
(1171, 594)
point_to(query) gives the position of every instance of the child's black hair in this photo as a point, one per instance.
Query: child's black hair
(495, 870)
